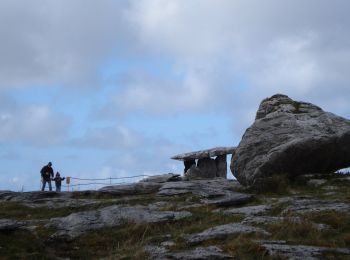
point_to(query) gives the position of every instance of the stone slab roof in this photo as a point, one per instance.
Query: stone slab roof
(204, 153)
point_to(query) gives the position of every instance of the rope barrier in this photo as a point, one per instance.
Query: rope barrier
(115, 178)
(109, 179)
(93, 183)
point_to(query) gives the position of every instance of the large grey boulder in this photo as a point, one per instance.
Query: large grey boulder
(292, 138)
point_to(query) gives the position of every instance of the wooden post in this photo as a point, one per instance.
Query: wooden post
(68, 182)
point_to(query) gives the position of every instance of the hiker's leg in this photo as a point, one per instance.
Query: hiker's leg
(50, 187)
(44, 184)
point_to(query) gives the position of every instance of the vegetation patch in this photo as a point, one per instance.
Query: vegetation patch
(17, 211)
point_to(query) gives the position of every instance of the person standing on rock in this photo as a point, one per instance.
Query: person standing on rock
(46, 176)
(58, 181)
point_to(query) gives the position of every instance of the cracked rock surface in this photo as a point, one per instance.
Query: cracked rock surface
(77, 223)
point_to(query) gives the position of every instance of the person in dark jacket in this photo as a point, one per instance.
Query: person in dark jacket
(46, 175)
(58, 181)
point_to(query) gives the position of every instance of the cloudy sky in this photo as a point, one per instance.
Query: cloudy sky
(115, 88)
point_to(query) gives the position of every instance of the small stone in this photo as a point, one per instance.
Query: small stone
(168, 243)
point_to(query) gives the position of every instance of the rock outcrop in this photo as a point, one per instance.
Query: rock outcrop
(78, 223)
(178, 219)
(291, 138)
(222, 232)
(199, 253)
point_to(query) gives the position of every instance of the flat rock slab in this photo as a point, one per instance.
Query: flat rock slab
(213, 192)
(300, 252)
(163, 178)
(56, 203)
(223, 231)
(10, 224)
(249, 211)
(262, 220)
(132, 189)
(315, 205)
(204, 153)
(32, 196)
(199, 253)
(203, 188)
(78, 223)
(229, 199)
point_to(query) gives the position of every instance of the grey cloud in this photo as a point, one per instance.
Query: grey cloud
(64, 41)
(294, 47)
(115, 137)
(31, 124)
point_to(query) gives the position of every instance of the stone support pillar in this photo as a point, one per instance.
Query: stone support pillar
(221, 166)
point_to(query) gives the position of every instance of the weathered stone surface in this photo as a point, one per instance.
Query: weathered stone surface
(10, 224)
(316, 182)
(250, 211)
(229, 199)
(292, 138)
(188, 164)
(78, 223)
(216, 192)
(221, 166)
(262, 220)
(162, 178)
(204, 188)
(193, 173)
(132, 189)
(32, 196)
(52, 200)
(223, 231)
(156, 252)
(207, 167)
(204, 153)
(315, 205)
(299, 252)
(199, 253)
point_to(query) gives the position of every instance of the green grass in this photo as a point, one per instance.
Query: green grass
(14, 210)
